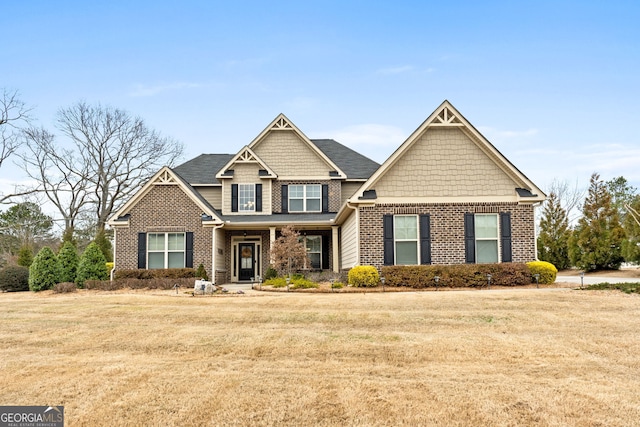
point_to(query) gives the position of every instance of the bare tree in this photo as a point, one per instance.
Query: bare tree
(288, 253)
(61, 176)
(570, 197)
(14, 114)
(108, 155)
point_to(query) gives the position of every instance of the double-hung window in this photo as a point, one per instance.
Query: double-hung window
(166, 250)
(246, 197)
(305, 198)
(405, 233)
(486, 234)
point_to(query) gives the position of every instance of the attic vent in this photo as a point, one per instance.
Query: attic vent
(281, 124)
(446, 117)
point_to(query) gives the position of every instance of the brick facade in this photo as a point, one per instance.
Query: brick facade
(165, 208)
(447, 230)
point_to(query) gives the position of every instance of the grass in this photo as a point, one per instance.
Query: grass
(501, 357)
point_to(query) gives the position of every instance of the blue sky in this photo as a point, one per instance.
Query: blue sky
(554, 85)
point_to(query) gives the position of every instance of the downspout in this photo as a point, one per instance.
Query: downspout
(115, 246)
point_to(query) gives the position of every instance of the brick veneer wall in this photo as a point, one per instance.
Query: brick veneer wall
(334, 193)
(165, 208)
(447, 230)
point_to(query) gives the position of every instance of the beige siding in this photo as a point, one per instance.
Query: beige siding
(348, 188)
(444, 162)
(349, 242)
(213, 195)
(289, 156)
(246, 174)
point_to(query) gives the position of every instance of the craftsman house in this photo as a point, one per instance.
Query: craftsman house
(445, 196)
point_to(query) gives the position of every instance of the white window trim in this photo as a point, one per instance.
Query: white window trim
(249, 205)
(304, 197)
(166, 251)
(496, 239)
(417, 240)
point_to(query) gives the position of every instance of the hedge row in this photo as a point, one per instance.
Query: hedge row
(169, 273)
(457, 276)
(152, 283)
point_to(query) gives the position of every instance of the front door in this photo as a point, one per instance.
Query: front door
(247, 260)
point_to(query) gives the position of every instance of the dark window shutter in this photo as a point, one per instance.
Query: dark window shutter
(387, 237)
(469, 238)
(325, 252)
(234, 197)
(285, 199)
(188, 256)
(142, 250)
(325, 198)
(505, 236)
(258, 197)
(425, 239)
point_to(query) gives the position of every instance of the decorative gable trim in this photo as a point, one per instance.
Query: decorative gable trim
(447, 116)
(246, 156)
(165, 176)
(282, 123)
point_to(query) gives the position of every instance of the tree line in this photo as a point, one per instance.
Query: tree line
(605, 234)
(84, 167)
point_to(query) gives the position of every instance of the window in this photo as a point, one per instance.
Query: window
(486, 233)
(166, 250)
(247, 199)
(405, 232)
(305, 198)
(314, 250)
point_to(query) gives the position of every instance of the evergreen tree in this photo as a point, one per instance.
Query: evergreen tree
(631, 244)
(553, 240)
(105, 245)
(44, 272)
(622, 194)
(25, 256)
(93, 265)
(69, 260)
(596, 242)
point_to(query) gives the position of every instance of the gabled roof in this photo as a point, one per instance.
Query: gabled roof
(246, 155)
(202, 169)
(165, 176)
(282, 123)
(447, 116)
(352, 163)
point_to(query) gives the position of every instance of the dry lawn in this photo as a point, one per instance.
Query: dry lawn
(544, 357)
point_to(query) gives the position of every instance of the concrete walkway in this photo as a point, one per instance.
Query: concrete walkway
(592, 280)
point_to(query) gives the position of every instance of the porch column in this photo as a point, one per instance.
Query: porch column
(336, 248)
(272, 239)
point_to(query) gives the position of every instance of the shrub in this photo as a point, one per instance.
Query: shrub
(45, 270)
(303, 283)
(93, 265)
(546, 270)
(64, 287)
(163, 283)
(457, 276)
(276, 282)
(271, 273)
(168, 273)
(201, 272)
(69, 260)
(363, 276)
(14, 278)
(104, 245)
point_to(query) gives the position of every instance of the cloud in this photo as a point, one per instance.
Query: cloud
(395, 70)
(141, 90)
